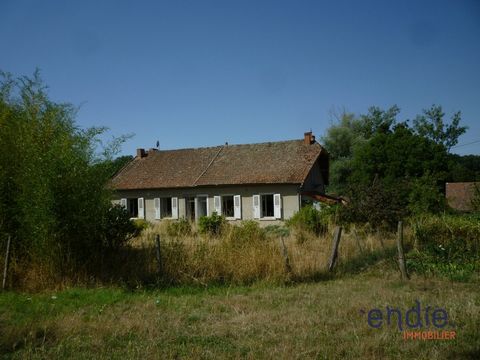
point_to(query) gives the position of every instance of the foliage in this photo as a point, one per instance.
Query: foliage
(247, 231)
(118, 228)
(211, 225)
(399, 155)
(140, 224)
(463, 168)
(476, 198)
(181, 227)
(379, 205)
(432, 126)
(425, 196)
(459, 235)
(378, 147)
(308, 219)
(448, 245)
(54, 203)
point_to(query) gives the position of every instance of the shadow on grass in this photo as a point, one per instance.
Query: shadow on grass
(365, 260)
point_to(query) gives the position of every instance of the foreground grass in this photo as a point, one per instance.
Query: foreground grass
(315, 320)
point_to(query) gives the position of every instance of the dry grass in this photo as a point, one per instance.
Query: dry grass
(237, 258)
(243, 260)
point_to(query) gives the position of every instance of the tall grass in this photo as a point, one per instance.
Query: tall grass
(240, 255)
(246, 254)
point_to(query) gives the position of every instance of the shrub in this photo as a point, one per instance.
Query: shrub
(211, 225)
(119, 228)
(178, 228)
(381, 205)
(308, 219)
(448, 245)
(247, 231)
(141, 224)
(459, 235)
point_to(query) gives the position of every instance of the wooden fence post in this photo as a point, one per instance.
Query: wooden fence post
(285, 255)
(5, 267)
(336, 242)
(401, 255)
(159, 255)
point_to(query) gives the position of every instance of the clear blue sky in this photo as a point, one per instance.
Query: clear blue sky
(199, 73)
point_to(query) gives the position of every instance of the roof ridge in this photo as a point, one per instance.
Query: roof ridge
(231, 145)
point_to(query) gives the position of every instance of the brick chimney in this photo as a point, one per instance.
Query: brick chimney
(141, 153)
(308, 138)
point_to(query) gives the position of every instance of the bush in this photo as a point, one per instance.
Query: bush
(447, 245)
(248, 231)
(381, 205)
(449, 237)
(119, 228)
(178, 228)
(308, 219)
(211, 225)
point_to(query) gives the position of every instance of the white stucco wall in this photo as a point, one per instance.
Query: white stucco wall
(289, 195)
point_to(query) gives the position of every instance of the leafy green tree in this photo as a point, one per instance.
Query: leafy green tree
(398, 156)
(431, 125)
(54, 202)
(425, 195)
(349, 133)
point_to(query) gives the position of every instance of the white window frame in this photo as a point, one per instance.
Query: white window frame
(171, 202)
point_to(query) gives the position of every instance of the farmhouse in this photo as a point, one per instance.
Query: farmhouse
(266, 181)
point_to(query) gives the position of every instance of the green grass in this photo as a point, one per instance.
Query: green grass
(310, 320)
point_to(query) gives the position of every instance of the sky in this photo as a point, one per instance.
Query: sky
(202, 73)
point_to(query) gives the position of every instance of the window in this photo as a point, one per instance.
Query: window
(133, 207)
(228, 209)
(166, 207)
(267, 205)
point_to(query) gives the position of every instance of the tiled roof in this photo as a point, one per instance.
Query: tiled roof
(459, 195)
(283, 162)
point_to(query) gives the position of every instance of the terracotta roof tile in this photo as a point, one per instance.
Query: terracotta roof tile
(265, 163)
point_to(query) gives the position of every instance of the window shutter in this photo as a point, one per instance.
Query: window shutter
(277, 206)
(217, 203)
(237, 207)
(141, 208)
(156, 202)
(174, 208)
(256, 206)
(123, 203)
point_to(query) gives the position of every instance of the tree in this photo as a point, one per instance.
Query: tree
(54, 201)
(432, 126)
(349, 133)
(399, 155)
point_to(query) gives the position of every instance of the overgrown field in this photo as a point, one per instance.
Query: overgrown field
(311, 320)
